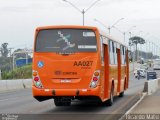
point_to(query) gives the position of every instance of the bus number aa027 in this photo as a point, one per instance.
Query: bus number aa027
(83, 63)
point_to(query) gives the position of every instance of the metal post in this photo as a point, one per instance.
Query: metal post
(13, 61)
(26, 58)
(146, 50)
(152, 51)
(149, 49)
(133, 55)
(10, 51)
(83, 12)
(109, 30)
(124, 37)
(0, 74)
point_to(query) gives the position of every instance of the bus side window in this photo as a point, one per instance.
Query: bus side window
(111, 51)
(121, 54)
(113, 47)
(125, 55)
(102, 49)
(115, 53)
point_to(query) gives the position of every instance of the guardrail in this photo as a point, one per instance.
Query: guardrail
(6, 85)
(151, 86)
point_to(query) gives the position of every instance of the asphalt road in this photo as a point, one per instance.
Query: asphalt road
(22, 103)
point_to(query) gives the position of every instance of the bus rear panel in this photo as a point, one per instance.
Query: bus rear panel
(66, 63)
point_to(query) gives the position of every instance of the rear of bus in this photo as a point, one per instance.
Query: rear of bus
(66, 64)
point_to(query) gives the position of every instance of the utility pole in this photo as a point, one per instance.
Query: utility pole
(83, 11)
(131, 51)
(112, 26)
(10, 54)
(0, 74)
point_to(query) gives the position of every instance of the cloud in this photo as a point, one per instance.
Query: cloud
(26, 15)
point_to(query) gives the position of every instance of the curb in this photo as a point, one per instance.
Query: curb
(129, 111)
(9, 85)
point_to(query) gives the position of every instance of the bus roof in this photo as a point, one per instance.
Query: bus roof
(82, 27)
(122, 43)
(66, 26)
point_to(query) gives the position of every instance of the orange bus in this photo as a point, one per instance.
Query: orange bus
(78, 62)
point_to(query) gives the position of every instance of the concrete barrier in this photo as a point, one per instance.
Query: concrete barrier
(159, 83)
(27, 83)
(6, 85)
(151, 86)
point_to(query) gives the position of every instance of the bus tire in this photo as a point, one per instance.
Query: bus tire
(121, 94)
(110, 101)
(58, 102)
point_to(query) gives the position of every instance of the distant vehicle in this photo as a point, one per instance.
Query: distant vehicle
(144, 66)
(140, 61)
(156, 64)
(142, 73)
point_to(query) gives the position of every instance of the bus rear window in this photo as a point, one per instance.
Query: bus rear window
(66, 40)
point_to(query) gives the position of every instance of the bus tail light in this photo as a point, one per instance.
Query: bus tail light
(36, 80)
(96, 73)
(34, 73)
(95, 79)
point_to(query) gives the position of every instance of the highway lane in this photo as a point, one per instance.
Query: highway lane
(22, 102)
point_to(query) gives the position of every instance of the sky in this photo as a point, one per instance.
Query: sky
(19, 18)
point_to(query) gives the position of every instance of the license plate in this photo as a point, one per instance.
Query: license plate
(65, 81)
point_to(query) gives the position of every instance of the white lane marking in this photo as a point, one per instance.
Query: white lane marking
(1, 100)
(4, 100)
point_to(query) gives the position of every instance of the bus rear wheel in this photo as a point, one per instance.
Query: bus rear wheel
(121, 94)
(62, 101)
(110, 101)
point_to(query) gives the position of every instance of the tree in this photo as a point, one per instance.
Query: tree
(4, 50)
(136, 40)
(5, 61)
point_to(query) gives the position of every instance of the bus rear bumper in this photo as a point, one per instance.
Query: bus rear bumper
(66, 92)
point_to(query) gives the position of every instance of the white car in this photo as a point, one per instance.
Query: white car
(156, 64)
(142, 73)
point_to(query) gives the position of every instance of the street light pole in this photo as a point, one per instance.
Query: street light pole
(83, 11)
(109, 28)
(127, 32)
(146, 45)
(112, 26)
(103, 25)
(133, 54)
